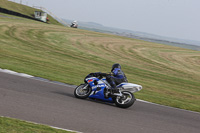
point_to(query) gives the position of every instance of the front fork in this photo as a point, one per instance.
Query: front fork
(85, 87)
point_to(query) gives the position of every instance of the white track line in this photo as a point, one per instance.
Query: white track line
(15, 73)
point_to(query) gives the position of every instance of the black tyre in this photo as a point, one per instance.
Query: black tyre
(126, 101)
(82, 91)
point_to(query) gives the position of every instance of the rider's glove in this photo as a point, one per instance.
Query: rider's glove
(105, 75)
(108, 76)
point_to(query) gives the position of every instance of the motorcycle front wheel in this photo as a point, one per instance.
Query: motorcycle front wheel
(126, 100)
(82, 91)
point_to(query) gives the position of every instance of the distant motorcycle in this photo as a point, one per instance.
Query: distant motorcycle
(99, 88)
(74, 24)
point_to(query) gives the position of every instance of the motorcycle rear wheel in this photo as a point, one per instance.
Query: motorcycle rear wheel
(126, 101)
(82, 91)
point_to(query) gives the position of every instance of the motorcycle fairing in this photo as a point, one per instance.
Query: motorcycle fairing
(100, 95)
(129, 87)
(98, 90)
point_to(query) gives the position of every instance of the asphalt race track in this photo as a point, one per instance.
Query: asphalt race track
(55, 105)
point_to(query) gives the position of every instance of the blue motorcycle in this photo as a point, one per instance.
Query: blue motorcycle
(99, 88)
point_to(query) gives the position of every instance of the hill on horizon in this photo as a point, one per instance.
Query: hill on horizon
(93, 26)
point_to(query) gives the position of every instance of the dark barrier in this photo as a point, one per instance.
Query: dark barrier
(3, 10)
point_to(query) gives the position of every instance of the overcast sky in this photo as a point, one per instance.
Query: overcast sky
(170, 18)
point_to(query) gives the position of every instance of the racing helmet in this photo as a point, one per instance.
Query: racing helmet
(116, 65)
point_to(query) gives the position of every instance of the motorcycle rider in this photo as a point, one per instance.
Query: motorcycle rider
(117, 78)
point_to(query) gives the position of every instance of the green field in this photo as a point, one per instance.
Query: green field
(169, 75)
(9, 125)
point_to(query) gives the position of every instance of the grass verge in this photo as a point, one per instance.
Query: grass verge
(9, 125)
